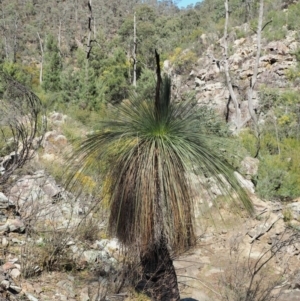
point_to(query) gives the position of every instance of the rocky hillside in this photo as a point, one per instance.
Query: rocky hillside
(207, 76)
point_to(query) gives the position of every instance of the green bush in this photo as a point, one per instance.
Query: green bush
(183, 59)
(248, 141)
(276, 30)
(278, 174)
(292, 17)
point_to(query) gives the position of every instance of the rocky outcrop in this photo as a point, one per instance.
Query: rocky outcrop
(36, 205)
(207, 78)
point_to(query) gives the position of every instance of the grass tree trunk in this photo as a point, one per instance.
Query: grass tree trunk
(159, 276)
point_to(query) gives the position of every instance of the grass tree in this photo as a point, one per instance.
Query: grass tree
(150, 148)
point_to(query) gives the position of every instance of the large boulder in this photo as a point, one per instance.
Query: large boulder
(249, 167)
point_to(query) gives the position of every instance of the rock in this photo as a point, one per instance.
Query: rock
(15, 273)
(38, 195)
(8, 266)
(100, 244)
(5, 284)
(57, 118)
(54, 142)
(214, 271)
(92, 256)
(4, 241)
(268, 59)
(277, 47)
(289, 295)
(4, 228)
(213, 87)
(249, 167)
(2, 170)
(279, 227)
(295, 283)
(61, 141)
(15, 288)
(18, 266)
(199, 82)
(51, 189)
(239, 42)
(17, 241)
(16, 225)
(167, 66)
(247, 184)
(295, 209)
(31, 297)
(3, 217)
(13, 260)
(70, 243)
(293, 46)
(261, 229)
(112, 246)
(74, 248)
(245, 74)
(67, 286)
(84, 294)
(60, 297)
(4, 201)
(48, 157)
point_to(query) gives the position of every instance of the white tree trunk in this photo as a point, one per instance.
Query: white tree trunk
(42, 58)
(254, 77)
(237, 122)
(256, 65)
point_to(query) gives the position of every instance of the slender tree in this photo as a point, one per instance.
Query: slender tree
(52, 66)
(150, 148)
(42, 58)
(232, 95)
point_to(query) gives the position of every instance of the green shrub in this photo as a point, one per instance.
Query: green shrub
(287, 215)
(248, 141)
(278, 173)
(271, 175)
(183, 59)
(276, 30)
(292, 17)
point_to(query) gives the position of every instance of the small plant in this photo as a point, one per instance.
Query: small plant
(287, 215)
(88, 230)
(49, 254)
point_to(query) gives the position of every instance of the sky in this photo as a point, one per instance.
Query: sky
(185, 3)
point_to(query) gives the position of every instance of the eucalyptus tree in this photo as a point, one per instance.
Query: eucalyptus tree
(53, 66)
(150, 148)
